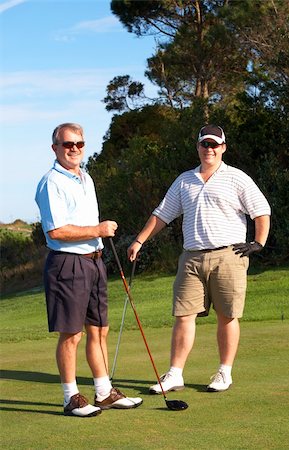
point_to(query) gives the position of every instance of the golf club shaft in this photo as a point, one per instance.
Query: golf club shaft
(122, 322)
(135, 313)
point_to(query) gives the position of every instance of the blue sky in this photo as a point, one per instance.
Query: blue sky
(56, 59)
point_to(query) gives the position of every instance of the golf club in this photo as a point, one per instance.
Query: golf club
(175, 405)
(122, 323)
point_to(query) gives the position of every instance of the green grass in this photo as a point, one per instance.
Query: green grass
(23, 316)
(253, 414)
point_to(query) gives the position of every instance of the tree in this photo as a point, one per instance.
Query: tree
(143, 152)
(211, 49)
(123, 94)
(198, 55)
(262, 27)
(215, 62)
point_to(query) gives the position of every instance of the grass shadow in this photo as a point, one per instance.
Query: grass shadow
(24, 375)
(144, 388)
(12, 406)
(48, 378)
(43, 377)
(197, 387)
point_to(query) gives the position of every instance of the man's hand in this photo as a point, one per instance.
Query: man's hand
(246, 248)
(107, 228)
(133, 250)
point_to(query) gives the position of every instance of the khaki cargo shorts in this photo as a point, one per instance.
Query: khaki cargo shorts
(217, 277)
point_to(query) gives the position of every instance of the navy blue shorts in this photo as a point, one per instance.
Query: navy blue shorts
(76, 292)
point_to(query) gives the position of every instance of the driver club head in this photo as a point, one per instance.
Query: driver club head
(176, 405)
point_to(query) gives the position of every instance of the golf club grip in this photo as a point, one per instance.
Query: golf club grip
(115, 254)
(135, 313)
(132, 273)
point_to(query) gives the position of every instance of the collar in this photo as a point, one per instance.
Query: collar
(223, 166)
(59, 168)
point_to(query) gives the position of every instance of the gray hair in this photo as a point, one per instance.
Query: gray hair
(72, 126)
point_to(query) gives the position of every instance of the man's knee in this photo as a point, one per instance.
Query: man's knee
(70, 339)
(185, 319)
(222, 319)
(97, 333)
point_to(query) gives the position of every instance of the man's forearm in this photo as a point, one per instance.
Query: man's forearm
(262, 227)
(151, 228)
(74, 233)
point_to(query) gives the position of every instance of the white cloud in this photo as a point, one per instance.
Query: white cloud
(26, 113)
(51, 94)
(108, 24)
(76, 81)
(47, 95)
(10, 4)
(105, 25)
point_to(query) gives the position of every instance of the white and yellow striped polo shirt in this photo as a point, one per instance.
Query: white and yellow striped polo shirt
(214, 213)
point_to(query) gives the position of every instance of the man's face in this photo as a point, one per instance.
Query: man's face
(69, 158)
(210, 152)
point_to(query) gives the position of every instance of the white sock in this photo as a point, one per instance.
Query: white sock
(69, 389)
(176, 371)
(226, 369)
(102, 386)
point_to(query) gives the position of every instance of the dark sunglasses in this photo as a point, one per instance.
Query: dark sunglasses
(70, 144)
(207, 144)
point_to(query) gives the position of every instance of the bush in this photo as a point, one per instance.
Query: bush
(16, 248)
(21, 260)
(37, 234)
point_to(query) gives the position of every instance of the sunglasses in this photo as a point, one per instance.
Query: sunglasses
(207, 144)
(70, 144)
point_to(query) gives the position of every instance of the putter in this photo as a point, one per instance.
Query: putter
(174, 405)
(122, 323)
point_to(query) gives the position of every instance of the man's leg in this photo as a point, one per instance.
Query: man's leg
(66, 356)
(182, 341)
(74, 403)
(228, 335)
(106, 396)
(96, 350)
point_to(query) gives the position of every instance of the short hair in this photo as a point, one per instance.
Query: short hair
(72, 126)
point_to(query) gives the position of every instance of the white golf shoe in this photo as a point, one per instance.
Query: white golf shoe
(169, 383)
(220, 382)
(79, 406)
(116, 399)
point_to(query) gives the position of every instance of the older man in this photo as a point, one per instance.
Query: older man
(75, 275)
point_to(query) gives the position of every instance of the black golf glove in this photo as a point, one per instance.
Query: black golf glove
(246, 248)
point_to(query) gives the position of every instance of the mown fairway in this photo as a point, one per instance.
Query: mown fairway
(253, 414)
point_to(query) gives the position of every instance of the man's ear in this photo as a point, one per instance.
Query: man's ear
(53, 146)
(224, 148)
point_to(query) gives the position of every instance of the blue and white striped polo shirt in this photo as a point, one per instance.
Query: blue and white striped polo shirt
(214, 213)
(66, 199)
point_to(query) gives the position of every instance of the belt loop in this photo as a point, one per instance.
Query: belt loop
(97, 255)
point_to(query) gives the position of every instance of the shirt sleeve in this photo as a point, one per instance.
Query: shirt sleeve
(254, 201)
(52, 204)
(170, 207)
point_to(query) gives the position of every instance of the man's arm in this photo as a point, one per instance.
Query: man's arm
(262, 227)
(153, 226)
(74, 233)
